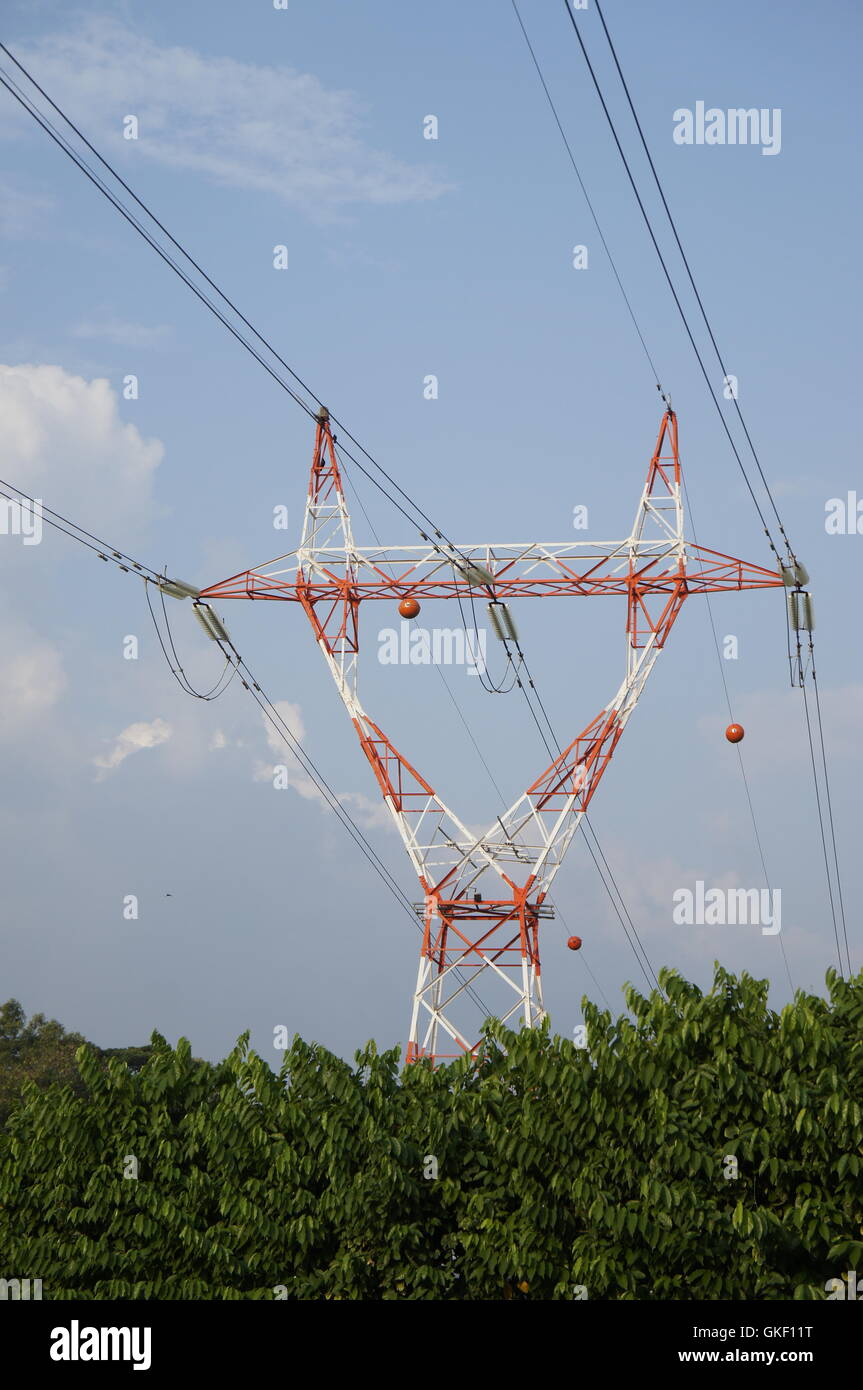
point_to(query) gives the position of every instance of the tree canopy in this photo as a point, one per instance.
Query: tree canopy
(702, 1147)
(40, 1050)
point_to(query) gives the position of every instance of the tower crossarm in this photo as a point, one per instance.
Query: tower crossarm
(534, 570)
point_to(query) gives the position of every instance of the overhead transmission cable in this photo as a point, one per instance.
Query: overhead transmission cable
(698, 298)
(51, 130)
(656, 377)
(682, 312)
(175, 665)
(14, 89)
(277, 721)
(739, 750)
(590, 206)
(790, 551)
(135, 222)
(150, 576)
(48, 126)
(812, 755)
(62, 523)
(829, 801)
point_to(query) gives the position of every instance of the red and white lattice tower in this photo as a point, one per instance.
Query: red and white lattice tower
(484, 896)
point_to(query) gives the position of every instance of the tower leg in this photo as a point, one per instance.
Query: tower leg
(471, 941)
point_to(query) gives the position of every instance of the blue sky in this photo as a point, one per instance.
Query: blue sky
(406, 257)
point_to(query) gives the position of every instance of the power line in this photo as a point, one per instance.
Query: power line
(105, 551)
(655, 373)
(821, 820)
(829, 803)
(99, 183)
(176, 668)
(12, 87)
(14, 90)
(277, 721)
(60, 140)
(78, 533)
(746, 432)
(720, 359)
(821, 823)
(99, 547)
(590, 206)
(666, 272)
(741, 764)
(690, 275)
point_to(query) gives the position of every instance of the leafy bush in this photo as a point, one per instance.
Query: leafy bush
(607, 1168)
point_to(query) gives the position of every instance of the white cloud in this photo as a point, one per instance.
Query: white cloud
(244, 125)
(32, 679)
(63, 440)
(297, 780)
(283, 750)
(292, 716)
(132, 740)
(370, 814)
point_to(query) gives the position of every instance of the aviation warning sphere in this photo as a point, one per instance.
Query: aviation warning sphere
(409, 608)
(574, 943)
(734, 733)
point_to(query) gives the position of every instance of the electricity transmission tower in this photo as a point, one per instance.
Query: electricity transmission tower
(484, 896)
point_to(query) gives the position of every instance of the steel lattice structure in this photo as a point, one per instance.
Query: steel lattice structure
(471, 935)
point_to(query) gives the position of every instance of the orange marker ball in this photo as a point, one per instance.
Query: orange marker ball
(574, 943)
(409, 608)
(734, 733)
